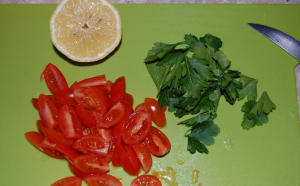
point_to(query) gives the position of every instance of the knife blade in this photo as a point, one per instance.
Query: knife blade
(286, 42)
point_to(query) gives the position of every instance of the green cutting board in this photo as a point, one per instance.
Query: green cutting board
(264, 155)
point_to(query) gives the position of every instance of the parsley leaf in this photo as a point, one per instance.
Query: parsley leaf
(191, 77)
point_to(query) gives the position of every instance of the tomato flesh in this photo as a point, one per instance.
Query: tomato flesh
(113, 116)
(157, 142)
(102, 180)
(56, 137)
(65, 96)
(48, 112)
(118, 89)
(144, 156)
(128, 159)
(55, 80)
(91, 164)
(84, 116)
(146, 180)
(68, 181)
(157, 114)
(91, 82)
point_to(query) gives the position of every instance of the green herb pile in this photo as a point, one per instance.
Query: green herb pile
(191, 76)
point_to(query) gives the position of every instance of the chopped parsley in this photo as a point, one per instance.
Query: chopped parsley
(191, 76)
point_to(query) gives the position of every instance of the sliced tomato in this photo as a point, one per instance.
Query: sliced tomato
(65, 96)
(36, 139)
(108, 158)
(48, 112)
(118, 89)
(105, 133)
(55, 80)
(137, 128)
(35, 102)
(114, 159)
(92, 98)
(157, 142)
(89, 130)
(56, 103)
(92, 144)
(91, 82)
(84, 116)
(144, 156)
(128, 159)
(69, 153)
(141, 108)
(102, 180)
(48, 144)
(40, 127)
(157, 114)
(91, 164)
(76, 171)
(129, 98)
(69, 123)
(68, 181)
(117, 129)
(56, 137)
(146, 180)
(113, 116)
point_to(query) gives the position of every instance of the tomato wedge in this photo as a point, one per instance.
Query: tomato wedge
(105, 133)
(76, 171)
(84, 116)
(40, 127)
(102, 180)
(92, 144)
(36, 139)
(128, 159)
(113, 116)
(141, 108)
(157, 114)
(69, 153)
(56, 137)
(115, 159)
(65, 96)
(144, 156)
(91, 82)
(137, 128)
(69, 123)
(146, 180)
(48, 112)
(91, 164)
(68, 181)
(118, 89)
(157, 142)
(55, 80)
(129, 98)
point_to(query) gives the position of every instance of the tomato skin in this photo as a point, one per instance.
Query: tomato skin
(113, 116)
(137, 128)
(92, 144)
(36, 139)
(65, 96)
(84, 116)
(103, 179)
(128, 159)
(40, 127)
(77, 172)
(56, 137)
(68, 181)
(69, 153)
(129, 98)
(141, 108)
(146, 180)
(157, 142)
(91, 164)
(35, 103)
(105, 133)
(157, 114)
(118, 89)
(69, 124)
(115, 159)
(48, 112)
(91, 82)
(55, 80)
(144, 156)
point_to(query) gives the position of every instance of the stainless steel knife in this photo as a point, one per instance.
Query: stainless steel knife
(286, 42)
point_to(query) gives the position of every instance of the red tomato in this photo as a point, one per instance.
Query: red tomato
(65, 96)
(102, 180)
(85, 117)
(89, 130)
(35, 102)
(108, 158)
(40, 127)
(48, 112)
(56, 103)
(77, 172)
(105, 133)
(114, 159)
(91, 82)
(69, 123)
(157, 142)
(118, 89)
(56, 137)
(36, 139)
(68, 181)
(55, 80)
(113, 116)
(48, 144)
(91, 164)
(157, 114)
(143, 155)
(137, 128)
(128, 159)
(92, 98)
(146, 180)
(129, 98)
(92, 144)
(117, 129)
(69, 153)
(141, 108)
